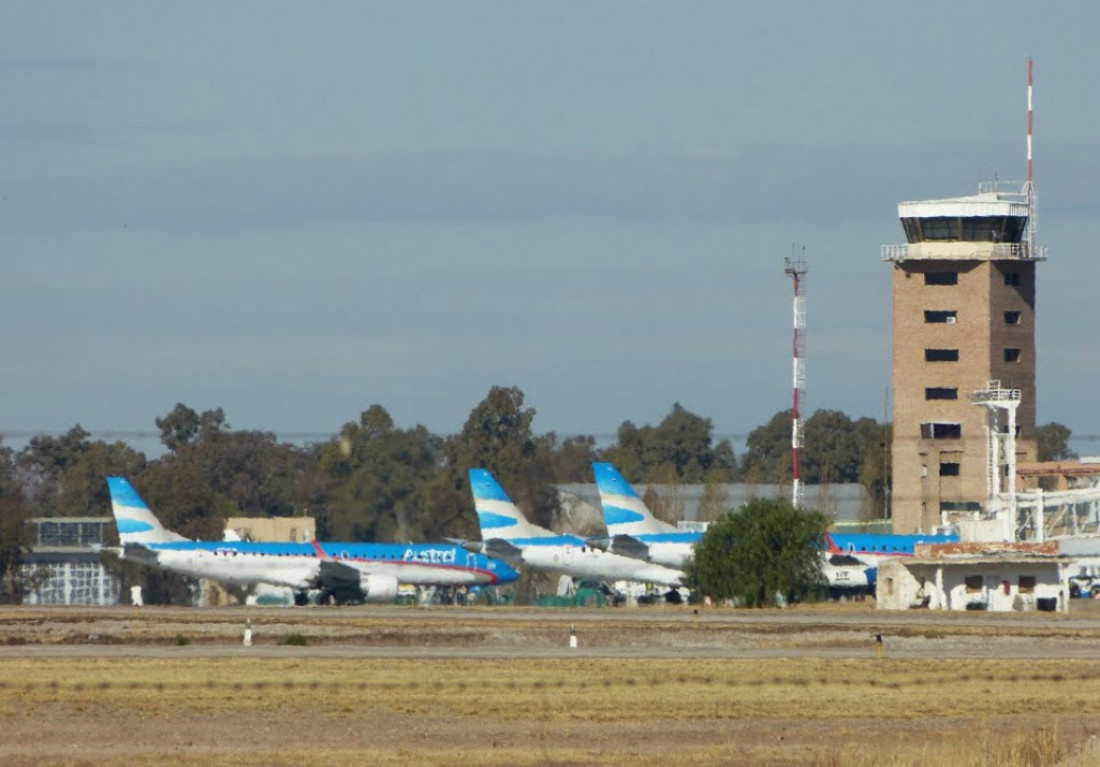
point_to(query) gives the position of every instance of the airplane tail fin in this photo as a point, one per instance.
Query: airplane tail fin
(135, 522)
(624, 512)
(496, 514)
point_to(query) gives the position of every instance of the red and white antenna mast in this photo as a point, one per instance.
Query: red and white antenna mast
(795, 266)
(1029, 185)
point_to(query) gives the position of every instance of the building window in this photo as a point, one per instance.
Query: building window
(1012, 355)
(938, 430)
(941, 278)
(1013, 318)
(936, 316)
(940, 392)
(941, 355)
(1012, 279)
(949, 469)
(974, 584)
(1026, 584)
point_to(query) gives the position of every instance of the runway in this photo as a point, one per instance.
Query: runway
(826, 631)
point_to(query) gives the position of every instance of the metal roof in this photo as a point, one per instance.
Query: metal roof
(986, 204)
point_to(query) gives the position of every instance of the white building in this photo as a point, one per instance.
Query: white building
(1001, 582)
(64, 568)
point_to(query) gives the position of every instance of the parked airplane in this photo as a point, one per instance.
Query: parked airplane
(872, 548)
(344, 572)
(850, 559)
(632, 530)
(507, 534)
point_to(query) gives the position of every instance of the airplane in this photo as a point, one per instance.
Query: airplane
(506, 534)
(850, 559)
(340, 572)
(632, 530)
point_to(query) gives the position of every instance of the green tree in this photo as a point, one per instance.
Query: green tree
(377, 480)
(498, 436)
(764, 549)
(1053, 441)
(43, 463)
(15, 533)
(179, 427)
(835, 449)
(767, 458)
(571, 459)
(680, 445)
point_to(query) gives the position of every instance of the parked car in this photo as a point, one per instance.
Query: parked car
(1086, 582)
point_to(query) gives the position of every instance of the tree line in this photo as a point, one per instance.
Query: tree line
(373, 481)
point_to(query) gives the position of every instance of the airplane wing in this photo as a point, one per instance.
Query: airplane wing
(498, 548)
(624, 545)
(334, 576)
(135, 552)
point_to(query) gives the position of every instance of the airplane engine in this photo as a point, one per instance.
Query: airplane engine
(378, 588)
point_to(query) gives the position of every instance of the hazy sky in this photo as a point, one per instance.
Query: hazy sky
(296, 210)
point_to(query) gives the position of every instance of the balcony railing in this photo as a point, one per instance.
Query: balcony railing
(1019, 251)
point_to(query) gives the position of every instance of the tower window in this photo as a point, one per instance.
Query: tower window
(1012, 355)
(941, 278)
(936, 316)
(938, 430)
(938, 392)
(941, 355)
(1011, 318)
(1012, 279)
(949, 469)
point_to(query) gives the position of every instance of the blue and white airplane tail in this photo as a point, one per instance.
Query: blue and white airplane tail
(496, 514)
(135, 522)
(624, 512)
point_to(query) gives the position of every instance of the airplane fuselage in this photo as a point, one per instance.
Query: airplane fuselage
(571, 556)
(297, 564)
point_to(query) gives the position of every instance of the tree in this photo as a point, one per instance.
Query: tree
(764, 549)
(1053, 441)
(498, 436)
(376, 480)
(179, 427)
(767, 458)
(679, 446)
(15, 533)
(572, 458)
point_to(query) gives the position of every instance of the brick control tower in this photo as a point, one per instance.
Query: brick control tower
(963, 315)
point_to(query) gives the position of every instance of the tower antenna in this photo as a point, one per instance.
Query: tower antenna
(795, 266)
(1029, 185)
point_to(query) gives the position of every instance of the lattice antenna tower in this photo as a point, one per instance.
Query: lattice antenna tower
(795, 267)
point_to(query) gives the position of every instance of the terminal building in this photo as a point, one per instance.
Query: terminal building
(963, 322)
(63, 567)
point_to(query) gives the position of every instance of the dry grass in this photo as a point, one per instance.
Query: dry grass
(696, 706)
(573, 711)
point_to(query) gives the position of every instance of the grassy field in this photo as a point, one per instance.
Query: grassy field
(566, 712)
(802, 687)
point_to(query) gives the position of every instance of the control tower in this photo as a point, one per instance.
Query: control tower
(963, 315)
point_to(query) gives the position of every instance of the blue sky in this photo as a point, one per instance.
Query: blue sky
(293, 211)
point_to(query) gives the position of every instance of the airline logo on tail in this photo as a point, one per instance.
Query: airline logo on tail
(135, 522)
(496, 514)
(623, 511)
